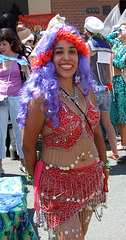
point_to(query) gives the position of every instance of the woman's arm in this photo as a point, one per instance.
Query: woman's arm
(98, 136)
(33, 127)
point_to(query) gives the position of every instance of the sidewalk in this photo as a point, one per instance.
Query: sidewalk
(112, 225)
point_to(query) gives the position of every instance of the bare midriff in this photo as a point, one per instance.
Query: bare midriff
(82, 154)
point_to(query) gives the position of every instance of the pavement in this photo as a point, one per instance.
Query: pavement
(113, 225)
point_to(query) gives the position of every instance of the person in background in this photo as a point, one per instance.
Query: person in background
(101, 70)
(10, 19)
(58, 103)
(10, 86)
(117, 38)
(29, 45)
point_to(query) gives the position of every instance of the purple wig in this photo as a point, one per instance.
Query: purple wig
(43, 80)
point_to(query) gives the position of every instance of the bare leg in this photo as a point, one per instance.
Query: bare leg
(85, 217)
(71, 229)
(111, 135)
(122, 131)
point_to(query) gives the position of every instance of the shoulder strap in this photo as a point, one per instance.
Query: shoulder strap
(21, 73)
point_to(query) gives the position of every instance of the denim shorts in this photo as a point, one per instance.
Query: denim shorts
(103, 100)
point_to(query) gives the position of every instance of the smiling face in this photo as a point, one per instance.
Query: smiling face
(65, 59)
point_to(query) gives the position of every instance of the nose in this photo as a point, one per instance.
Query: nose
(66, 56)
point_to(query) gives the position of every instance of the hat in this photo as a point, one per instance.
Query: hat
(56, 20)
(93, 24)
(30, 37)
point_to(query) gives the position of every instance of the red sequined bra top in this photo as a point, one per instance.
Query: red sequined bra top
(72, 126)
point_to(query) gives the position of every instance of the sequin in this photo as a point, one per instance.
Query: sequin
(76, 161)
(50, 165)
(82, 154)
(54, 197)
(72, 165)
(66, 232)
(68, 199)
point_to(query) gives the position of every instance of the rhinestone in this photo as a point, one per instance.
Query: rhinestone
(56, 141)
(67, 168)
(78, 200)
(50, 165)
(76, 235)
(82, 154)
(73, 199)
(83, 200)
(68, 199)
(47, 167)
(89, 152)
(78, 157)
(73, 230)
(66, 232)
(54, 197)
(71, 134)
(42, 194)
(76, 161)
(72, 165)
(61, 167)
(47, 197)
(65, 139)
(77, 230)
(91, 155)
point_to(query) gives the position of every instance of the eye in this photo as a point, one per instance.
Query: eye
(58, 52)
(73, 51)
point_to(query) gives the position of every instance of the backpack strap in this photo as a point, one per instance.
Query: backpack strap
(23, 78)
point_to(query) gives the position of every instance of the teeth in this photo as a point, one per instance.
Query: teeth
(66, 66)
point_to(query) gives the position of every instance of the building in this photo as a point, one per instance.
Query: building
(75, 11)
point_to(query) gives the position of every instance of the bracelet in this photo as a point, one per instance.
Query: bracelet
(108, 168)
(30, 178)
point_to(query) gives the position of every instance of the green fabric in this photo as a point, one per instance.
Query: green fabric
(15, 224)
(118, 103)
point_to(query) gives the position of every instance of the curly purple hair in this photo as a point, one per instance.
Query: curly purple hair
(43, 80)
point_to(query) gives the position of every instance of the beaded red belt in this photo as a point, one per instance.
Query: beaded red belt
(63, 193)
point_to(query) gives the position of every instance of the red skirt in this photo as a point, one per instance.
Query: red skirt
(63, 193)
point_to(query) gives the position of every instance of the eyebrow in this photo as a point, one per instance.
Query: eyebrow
(62, 47)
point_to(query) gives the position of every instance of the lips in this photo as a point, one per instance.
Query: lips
(66, 67)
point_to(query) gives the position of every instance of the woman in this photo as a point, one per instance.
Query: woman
(68, 180)
(10, 85)
(118, 106)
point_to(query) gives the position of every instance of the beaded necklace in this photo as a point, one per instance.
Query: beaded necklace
(68, 97)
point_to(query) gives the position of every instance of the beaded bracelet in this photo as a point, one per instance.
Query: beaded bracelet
(30, 178)
(108, 168)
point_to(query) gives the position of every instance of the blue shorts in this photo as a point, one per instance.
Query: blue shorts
(103, 100)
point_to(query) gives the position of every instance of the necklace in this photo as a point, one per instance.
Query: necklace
(68, 97)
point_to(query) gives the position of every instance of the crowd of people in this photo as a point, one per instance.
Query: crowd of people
(60, 91)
